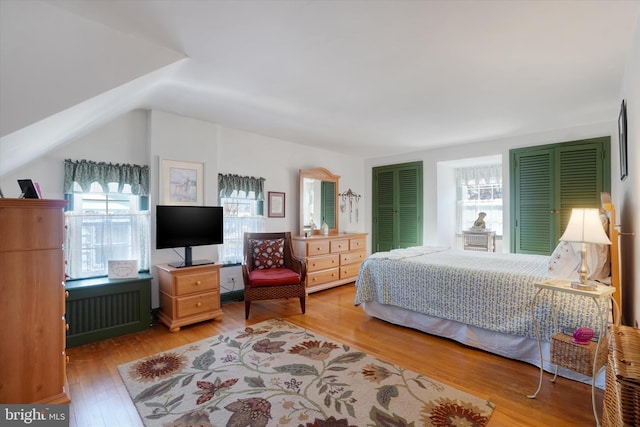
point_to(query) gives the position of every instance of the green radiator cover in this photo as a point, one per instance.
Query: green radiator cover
(101, 308)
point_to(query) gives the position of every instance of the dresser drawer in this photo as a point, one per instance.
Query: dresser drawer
(196, 282)
(352, 257)
(322, 262)
(350, 270)
(339, 245)
(188, 306)
(324, 276)
(358, 243)
(320, 247)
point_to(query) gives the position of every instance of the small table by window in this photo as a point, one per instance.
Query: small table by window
(478, 240)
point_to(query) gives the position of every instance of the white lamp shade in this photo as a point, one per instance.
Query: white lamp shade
(585, 226)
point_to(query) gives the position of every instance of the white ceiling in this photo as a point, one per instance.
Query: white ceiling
(373, 78)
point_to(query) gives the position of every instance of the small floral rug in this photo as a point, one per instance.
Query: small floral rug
(277, 374)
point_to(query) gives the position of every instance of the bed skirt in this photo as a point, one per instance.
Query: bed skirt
(510, 346)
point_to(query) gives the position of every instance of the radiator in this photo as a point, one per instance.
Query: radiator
(101, 309)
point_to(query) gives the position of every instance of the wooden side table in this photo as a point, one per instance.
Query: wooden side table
(600, 297)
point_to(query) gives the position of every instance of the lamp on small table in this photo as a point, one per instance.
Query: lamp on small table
(585, 227)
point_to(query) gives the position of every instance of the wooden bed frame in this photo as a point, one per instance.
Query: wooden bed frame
(614, 254)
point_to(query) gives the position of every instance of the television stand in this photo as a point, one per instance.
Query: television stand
(188, 295)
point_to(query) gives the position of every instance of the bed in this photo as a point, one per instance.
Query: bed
(480, 299)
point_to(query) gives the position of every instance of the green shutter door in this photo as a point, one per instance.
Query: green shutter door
(533, 204)
(409, 209)
(384, 233)
(328, 195)
(579, 186)
(397, 206)
(548, 182)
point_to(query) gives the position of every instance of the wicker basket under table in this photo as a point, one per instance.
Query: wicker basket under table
(577, 357)
(622, 387)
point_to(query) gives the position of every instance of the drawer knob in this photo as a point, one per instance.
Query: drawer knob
(66, 326)
(199, 304)
(198, 282)
(66, 294)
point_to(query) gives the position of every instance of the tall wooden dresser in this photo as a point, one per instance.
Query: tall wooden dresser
(32, 337)
(331, 260)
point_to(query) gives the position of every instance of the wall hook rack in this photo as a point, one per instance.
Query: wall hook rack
(351, 197)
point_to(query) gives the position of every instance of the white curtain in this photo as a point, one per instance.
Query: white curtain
(92, 240)
(231, 252)
(486, 185)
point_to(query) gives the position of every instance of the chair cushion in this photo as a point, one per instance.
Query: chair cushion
(267, 253)
(273, 277)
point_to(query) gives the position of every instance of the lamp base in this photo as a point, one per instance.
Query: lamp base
(587, 286)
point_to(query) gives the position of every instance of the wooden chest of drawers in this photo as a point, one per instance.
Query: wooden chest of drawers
(32, 339)
(188, 294)
(331, 260)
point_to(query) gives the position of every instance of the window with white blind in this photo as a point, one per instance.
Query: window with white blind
(479, 189)
(241, 215)
(105, 226)
(242, 198)
(107, 216)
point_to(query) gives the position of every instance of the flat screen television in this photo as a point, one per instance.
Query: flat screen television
(188, 226)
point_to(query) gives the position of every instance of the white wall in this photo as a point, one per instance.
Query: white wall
(438, 228)
(145, 137)
(626, 197)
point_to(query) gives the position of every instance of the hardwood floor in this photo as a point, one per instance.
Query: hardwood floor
(99, 398)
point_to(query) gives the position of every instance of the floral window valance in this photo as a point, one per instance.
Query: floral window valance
(85, 172)
(227, 184)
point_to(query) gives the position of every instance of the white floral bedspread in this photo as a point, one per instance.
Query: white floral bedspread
(488, 290)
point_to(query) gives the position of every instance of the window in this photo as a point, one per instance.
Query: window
(242, 200)
(479, 189)
(107, 217)
(103, 227)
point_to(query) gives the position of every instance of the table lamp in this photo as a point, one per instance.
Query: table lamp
(585, 227)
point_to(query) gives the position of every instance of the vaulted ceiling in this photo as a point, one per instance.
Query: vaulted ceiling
(367, 78)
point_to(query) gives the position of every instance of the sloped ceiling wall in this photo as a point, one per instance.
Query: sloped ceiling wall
(361, 78)
(47, 72)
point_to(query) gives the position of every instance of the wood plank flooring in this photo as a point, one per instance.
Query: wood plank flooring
(99, 398)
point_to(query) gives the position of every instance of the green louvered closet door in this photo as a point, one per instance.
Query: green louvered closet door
(550, 180)
(397, 206)
(328, 209)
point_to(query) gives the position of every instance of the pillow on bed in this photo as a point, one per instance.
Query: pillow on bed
(565, 259)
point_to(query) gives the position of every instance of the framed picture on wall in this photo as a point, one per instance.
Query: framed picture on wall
(181, 183)
(276, 205)
(622, 138)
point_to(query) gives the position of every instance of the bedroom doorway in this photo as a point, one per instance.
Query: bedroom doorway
(397, 206)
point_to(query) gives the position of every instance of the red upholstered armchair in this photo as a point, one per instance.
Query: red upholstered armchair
(270, 270)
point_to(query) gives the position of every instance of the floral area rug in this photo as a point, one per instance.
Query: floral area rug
(277, 374)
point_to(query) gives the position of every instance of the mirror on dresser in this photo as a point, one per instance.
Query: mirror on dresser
(318, 201)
